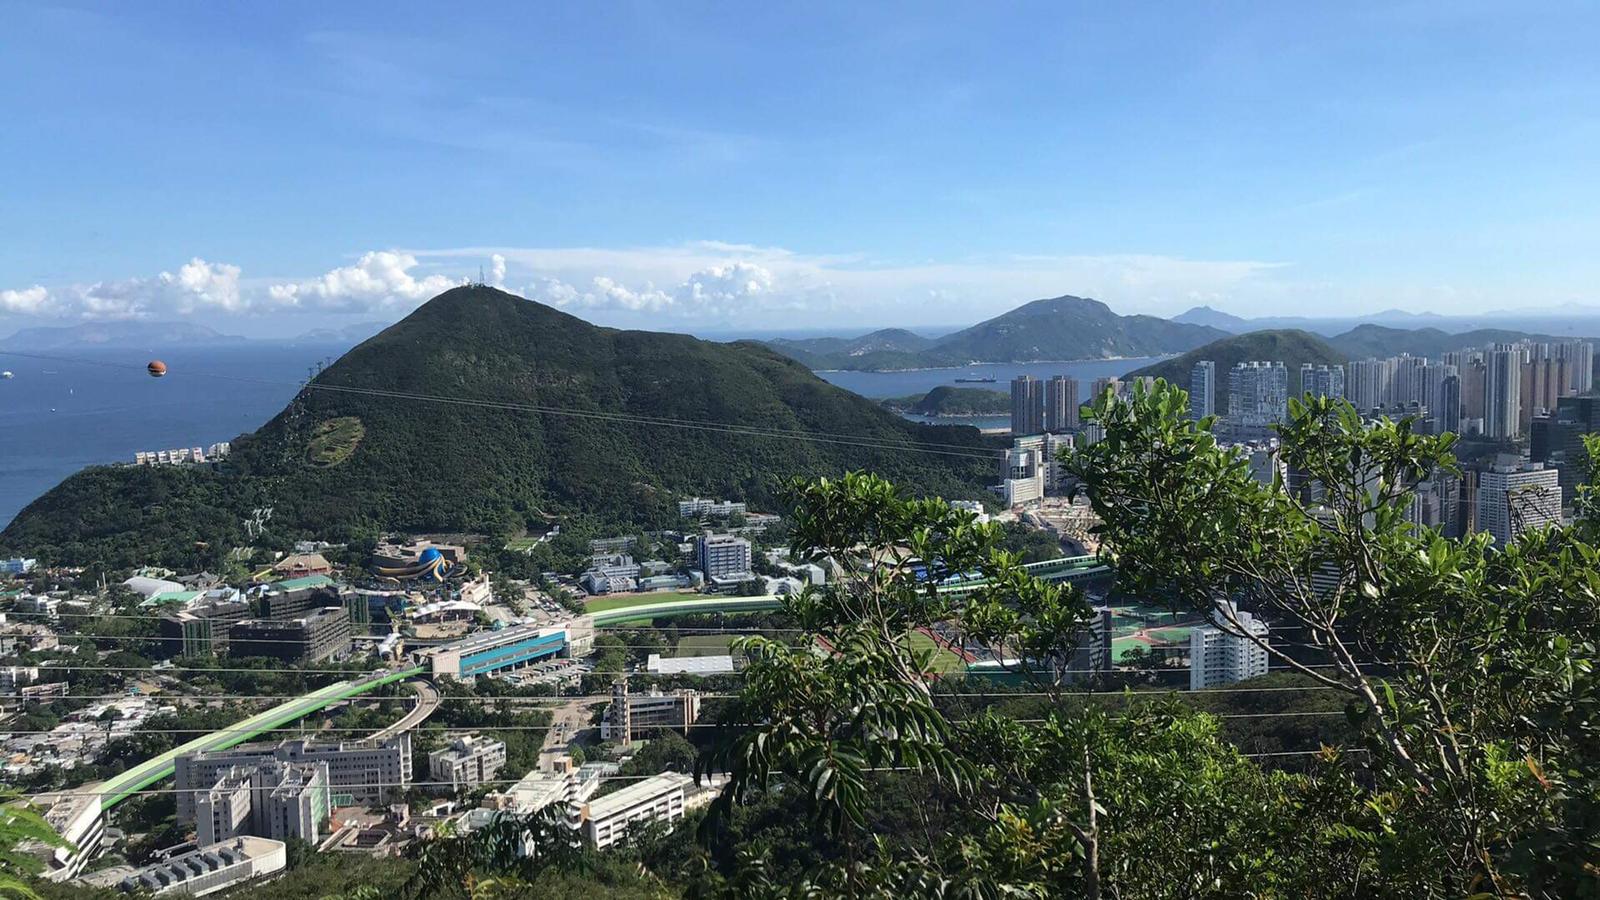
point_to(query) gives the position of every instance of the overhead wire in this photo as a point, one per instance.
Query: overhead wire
(967, 450)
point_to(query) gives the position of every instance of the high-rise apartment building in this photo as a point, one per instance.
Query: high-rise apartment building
(1221, 653)
(1027, 405)
(1502, 392)
(1322, 381)
(1557, 441)
(1060, 404)
(1202, 389)
(1368, 384)
(1258, 394)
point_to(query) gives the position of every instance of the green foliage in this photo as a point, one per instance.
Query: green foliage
(332, 442)
(952, 401)
(19, 824)
(1470, 669)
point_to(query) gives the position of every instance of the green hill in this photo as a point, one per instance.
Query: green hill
(1378, 341)
(338, 465)
(953, 401)
(1059, 328)
(1064, 328)
(887, 348)
(1289, 346)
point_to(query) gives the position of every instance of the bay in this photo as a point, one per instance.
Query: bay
(90, 407)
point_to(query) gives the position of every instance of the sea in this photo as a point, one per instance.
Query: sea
(89, 407)
(882, 385)
(86, 407)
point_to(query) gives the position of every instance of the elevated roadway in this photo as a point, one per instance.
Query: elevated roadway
(118, 788)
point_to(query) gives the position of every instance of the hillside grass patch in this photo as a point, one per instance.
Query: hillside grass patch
(334, 440)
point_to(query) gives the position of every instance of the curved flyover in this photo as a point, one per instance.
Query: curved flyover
(118, 788)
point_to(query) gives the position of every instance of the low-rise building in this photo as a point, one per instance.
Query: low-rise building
(320, 635)
(631, 715)
(299, 565)
(371, 772)
(606, 820)
(211, 868)
(469, 761)
(487, 652)
(721, 664)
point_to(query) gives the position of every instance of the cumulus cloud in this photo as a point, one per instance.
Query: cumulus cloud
(729, 290)
(28, 301)
(497, 270)
(379, 280)
(196, 285)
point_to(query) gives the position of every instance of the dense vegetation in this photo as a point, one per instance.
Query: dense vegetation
(468, 463)
(1464, 763)
(1288, 346)
(1060, 328)
(952, 401)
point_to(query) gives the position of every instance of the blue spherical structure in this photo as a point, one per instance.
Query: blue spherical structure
(429, 555)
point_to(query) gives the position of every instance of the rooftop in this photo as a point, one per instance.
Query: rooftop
(295, 584)
(637, 793)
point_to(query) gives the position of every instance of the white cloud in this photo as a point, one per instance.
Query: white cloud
(381, 279)
(729, 290)
(497, 270)
(31, 301)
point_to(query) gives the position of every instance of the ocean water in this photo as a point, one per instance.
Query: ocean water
(89, 407)
(86, 407)
(879, 385)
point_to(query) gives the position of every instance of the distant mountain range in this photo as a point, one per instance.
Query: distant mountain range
(1568, 321)
(116, 334)
(1056, 329)
(588, 439)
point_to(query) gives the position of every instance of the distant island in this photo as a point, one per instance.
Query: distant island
(952, 402)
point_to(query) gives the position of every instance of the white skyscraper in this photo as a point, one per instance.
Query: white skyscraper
(1517, 498)
(1220, 653)
(1202, 389)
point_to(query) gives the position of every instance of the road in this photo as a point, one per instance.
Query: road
(567, 722)
(427, 702)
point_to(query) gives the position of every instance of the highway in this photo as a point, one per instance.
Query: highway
(116, 789)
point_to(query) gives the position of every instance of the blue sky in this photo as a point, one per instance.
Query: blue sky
(276, 167)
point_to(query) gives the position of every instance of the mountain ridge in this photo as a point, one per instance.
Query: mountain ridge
(1053, 329)
(1289, 346)
(495, 412)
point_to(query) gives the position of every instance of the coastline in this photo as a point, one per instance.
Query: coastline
(1012, 362)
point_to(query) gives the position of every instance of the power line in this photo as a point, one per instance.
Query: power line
(74, 792)
(969, 451)
(333, 732)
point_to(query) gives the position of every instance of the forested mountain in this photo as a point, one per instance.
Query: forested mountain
(1059, 328)
(884, 348)
(953, 401)
(1216, 318)
(1292, 348)
(532, 413)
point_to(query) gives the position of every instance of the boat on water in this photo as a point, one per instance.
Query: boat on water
(974, 381)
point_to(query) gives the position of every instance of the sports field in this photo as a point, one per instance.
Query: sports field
(705, 644)
(603, 604)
